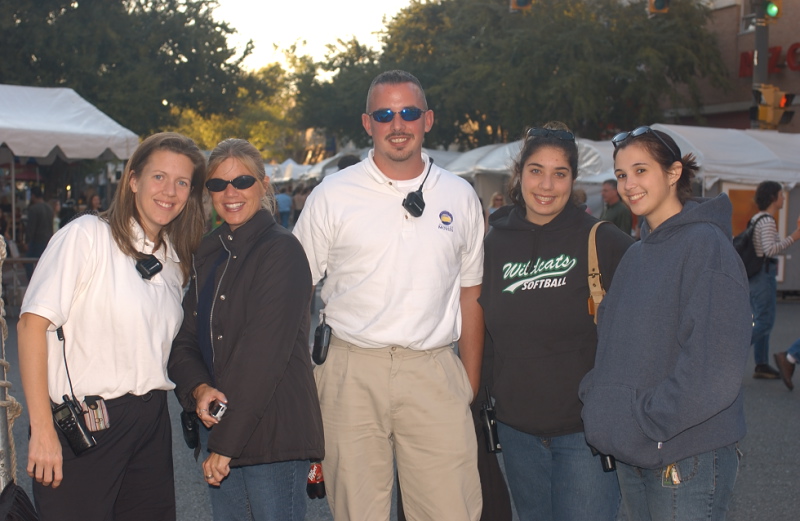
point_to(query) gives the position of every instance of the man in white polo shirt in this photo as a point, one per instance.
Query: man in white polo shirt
(401, 288)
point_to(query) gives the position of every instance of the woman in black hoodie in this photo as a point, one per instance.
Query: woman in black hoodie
(540, 337)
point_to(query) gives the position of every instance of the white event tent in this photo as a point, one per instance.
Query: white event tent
(41, 123)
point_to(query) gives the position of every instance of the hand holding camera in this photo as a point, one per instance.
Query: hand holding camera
(211, 404)
(217, 409)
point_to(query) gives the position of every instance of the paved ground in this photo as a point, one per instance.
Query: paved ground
(766, 488)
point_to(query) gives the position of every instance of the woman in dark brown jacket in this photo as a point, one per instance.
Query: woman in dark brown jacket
(244, 343)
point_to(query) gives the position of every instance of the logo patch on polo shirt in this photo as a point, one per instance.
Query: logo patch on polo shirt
(446, 218)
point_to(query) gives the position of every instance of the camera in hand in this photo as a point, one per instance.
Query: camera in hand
(69, 420)
(217, 409)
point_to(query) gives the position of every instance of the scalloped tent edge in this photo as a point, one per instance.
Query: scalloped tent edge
(43, 123)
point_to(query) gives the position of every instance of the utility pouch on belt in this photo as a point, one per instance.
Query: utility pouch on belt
(95, 413)
(190, 426)
(322, 341)
(489, 422)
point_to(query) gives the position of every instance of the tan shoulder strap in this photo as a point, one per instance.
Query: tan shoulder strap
(595, 278)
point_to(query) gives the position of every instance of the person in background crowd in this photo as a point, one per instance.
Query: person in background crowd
(497, 202)
(614, 209)
(94, 206)
(298, 201)
(402, 285)
(786, 361)
(579, 199)
(540, 337)
(105, 305)
(665, 395)
(244, 343)
(55, 204)
(763, 286)
(285, 206)
(40, 227)
(347, 160)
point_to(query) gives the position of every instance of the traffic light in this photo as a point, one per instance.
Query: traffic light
(658, 6)
(520, 5)
(773, 9)
(772, 104)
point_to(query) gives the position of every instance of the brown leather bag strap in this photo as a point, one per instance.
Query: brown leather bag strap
(595, 278)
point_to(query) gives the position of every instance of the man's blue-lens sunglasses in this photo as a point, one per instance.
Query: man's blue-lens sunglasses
(387, 115)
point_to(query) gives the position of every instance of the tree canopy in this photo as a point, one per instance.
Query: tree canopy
(140, 61)
(597, 65)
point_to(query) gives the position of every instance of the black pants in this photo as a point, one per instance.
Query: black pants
(128, 476)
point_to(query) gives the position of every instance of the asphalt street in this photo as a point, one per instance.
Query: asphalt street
(766, 487)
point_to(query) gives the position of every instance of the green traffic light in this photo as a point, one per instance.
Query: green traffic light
(772, 9)
(661, 4)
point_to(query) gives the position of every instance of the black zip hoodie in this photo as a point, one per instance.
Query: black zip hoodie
(540, 338)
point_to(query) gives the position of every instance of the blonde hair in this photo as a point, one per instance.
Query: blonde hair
(249, 156)
(186, 230)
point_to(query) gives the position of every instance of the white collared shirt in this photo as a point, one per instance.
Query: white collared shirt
(393, 279)
(118, 327)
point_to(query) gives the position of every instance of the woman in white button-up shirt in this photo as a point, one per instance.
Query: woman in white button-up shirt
(94, 326)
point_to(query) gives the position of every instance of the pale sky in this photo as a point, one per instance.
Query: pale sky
(317, 22)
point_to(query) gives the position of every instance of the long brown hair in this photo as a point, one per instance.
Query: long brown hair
(186, 230)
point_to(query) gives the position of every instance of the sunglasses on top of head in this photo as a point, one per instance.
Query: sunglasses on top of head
(547, 132)
(243, 182)
(387, 115)
(622, 137)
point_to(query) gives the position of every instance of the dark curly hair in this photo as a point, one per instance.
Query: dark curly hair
(766, 194)
(530, 146)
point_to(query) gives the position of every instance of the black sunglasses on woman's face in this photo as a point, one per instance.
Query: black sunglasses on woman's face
(243, 182)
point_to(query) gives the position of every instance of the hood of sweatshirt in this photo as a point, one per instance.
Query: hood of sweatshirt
(717, 211)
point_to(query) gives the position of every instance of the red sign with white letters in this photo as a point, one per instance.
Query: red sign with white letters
(792, 60)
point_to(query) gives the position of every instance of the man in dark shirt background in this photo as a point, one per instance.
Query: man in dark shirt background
(615, 210)
(40, 227)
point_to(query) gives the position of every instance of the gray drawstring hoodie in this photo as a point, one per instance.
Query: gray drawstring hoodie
(673, 341)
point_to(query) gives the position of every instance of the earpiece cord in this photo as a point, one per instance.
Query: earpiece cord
(60, 333)
(430, 165)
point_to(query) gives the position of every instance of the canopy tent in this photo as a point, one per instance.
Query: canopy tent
(287, 171)
(40, 124)
(489, 167)
(43, 123)
(724, 154)
(497, 159)
(741, 156)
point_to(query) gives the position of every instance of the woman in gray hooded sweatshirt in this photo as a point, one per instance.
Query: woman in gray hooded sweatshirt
(665, 394)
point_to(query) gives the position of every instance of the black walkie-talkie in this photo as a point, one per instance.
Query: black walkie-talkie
(68, 416)
(489, 422)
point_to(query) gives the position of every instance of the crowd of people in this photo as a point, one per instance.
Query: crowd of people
(612, 367)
